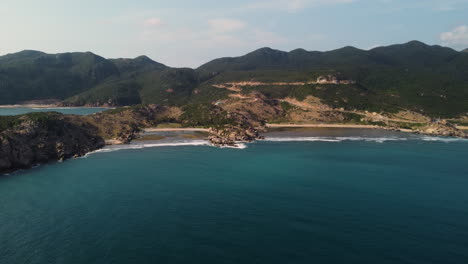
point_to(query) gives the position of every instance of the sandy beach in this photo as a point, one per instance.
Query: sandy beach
(319, 126)
(176, 129)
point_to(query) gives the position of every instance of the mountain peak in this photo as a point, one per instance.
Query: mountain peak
(347, 49)
(31, 52)
(298, 51)
(24, 54)
(266, 50)
(144, 59)
(416, 43)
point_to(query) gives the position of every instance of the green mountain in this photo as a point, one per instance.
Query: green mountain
(29, 75)
(428, 79)
(33, 75)
(432, 80)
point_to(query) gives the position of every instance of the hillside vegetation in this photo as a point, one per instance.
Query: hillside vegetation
(431, 80)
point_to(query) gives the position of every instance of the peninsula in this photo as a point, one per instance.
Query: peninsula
(411, 87)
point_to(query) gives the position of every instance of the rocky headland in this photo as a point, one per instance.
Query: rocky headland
(38, 138)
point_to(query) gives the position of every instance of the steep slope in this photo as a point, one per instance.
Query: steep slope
(168, 86)
(121, 89)
(431, 80)
(37, 138)
(32, 75)
(428, 79)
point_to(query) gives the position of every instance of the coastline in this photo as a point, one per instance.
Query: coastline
(322, 126)
(45, 106)
(176, 129)
(350, 126)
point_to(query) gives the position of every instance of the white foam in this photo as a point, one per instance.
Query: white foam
(149, 145)
(237, 146)
(240, 145)
(301, 139)
(443, 139)
(373, 139)
(333, 139)
(155, 145)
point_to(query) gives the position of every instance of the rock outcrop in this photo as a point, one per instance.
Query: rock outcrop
(41, 138)
(442, 128)
(230, 136)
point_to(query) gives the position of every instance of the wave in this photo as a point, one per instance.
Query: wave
(155, 145)
(334, 139)
(366, 139)
(238, 146)
(149, 145)
(443, 139)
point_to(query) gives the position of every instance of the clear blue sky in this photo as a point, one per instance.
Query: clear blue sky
(191, 32)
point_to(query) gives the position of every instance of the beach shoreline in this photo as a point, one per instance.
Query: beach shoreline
(322, 126)
(176, 129)
(44, 106)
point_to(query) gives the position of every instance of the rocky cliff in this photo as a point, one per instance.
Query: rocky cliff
(39, 138)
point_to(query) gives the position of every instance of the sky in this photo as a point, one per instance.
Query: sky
(188, 33)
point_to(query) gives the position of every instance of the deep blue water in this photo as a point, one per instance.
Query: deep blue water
(273, 202)
(64, 110)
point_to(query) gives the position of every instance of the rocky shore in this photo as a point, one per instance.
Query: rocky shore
(442, 129)
(232, 135)
(38, 139)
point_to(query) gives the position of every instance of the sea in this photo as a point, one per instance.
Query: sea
(64, 110)
(300, 196)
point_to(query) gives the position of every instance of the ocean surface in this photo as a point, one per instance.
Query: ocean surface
(321, 196)
(64, 110)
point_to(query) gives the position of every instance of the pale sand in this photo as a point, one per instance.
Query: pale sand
(462, 127)
(320, 126)
(113, 142)
(175, 129)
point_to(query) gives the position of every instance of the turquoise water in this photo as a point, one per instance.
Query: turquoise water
(343, 201)
(64, 110)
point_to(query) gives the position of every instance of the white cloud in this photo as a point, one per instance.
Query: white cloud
(295, 5)
(226, 25)
(457, 37)
(153, 22)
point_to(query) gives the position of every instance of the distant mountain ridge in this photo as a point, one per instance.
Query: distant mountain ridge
(429, 79)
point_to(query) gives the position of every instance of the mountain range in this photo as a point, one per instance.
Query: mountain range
(431, 80)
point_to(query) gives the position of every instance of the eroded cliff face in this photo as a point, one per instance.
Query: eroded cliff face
(38, 138)
(35, 140)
